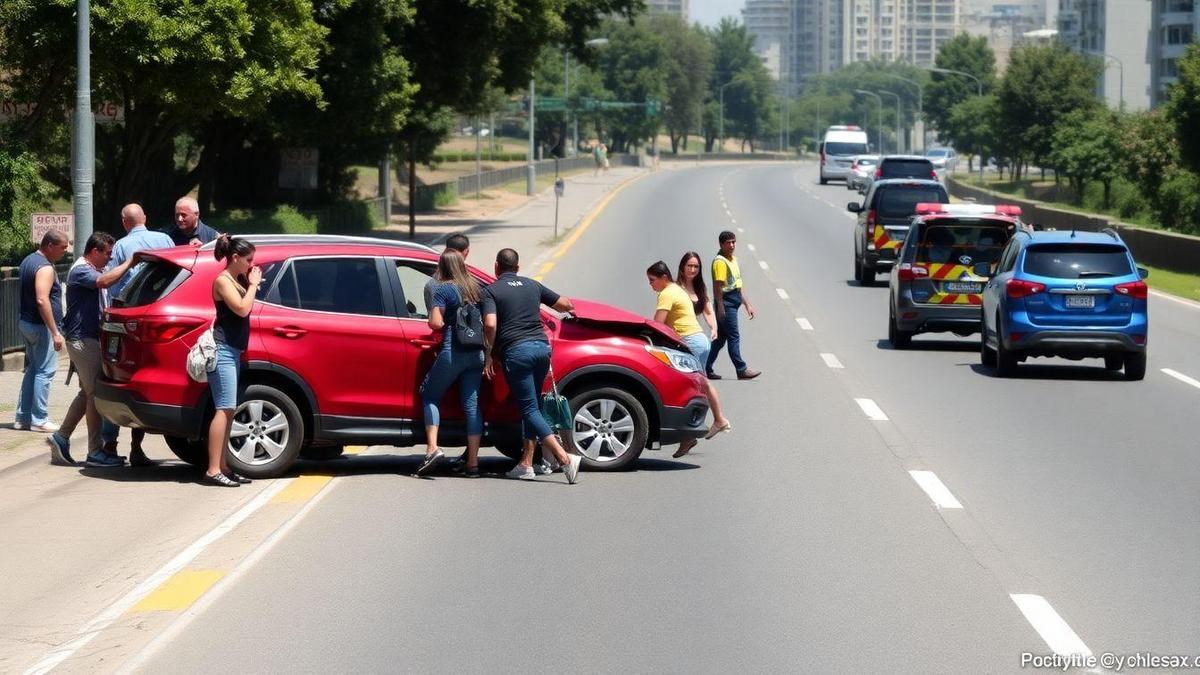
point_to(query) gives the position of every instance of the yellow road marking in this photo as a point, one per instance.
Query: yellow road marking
(354, 449)
(301, 490)
(179, 592)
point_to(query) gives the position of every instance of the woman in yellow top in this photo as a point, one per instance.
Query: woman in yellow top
(675, 309)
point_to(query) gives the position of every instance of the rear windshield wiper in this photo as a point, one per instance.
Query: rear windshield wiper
(1096, 273)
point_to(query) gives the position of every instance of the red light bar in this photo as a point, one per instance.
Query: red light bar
(924, 209)
(1008, 210)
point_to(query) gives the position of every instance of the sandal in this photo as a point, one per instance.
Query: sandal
(685, 447)
(220, 479)
(714, 430)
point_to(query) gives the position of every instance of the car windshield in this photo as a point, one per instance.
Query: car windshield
(835, 148)
(906, 168)
(900, 200)
(1077, 261)
(936, 153)
(961, 244)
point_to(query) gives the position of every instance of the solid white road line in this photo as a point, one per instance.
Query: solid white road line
(831, 360)
(1057, 634)
(1182, 378)
(937, 491)
(1172, 298)
(872, 409)
(804, 323)
(115, 610)
(782, 293)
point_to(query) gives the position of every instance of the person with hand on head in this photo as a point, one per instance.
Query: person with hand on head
(81, 328)
(233, 293)
(512, 320)
(676, 310)
(188, 228)
(40, 317)
(456, 312)
(728, 299)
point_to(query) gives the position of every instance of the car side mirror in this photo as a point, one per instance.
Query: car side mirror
(1143, 272)
(983, 269)
(854, 207)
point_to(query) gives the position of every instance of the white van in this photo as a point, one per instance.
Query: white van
(841, 145)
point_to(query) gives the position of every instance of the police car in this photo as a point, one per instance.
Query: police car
(949, 254)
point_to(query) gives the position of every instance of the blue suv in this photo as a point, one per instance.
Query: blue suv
(1067, 294)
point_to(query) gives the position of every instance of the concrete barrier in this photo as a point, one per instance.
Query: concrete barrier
(1157, 248)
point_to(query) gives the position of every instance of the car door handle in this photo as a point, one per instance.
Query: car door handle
(290, 332)
(424, 343)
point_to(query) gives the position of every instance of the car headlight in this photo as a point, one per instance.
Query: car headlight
(681, 361)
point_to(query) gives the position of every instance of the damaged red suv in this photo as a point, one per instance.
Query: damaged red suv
(339, 345)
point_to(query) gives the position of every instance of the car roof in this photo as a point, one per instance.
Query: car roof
(302, 244)
(1074, 237)
(905, 157)
(914, 182)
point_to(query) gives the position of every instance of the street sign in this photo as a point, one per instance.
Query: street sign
(298, 168)
(41, 223)
(107, 112)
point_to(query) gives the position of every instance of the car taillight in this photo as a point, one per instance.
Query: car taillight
(161, 330)
(910, 272)
(871, 218)
(1019, 288)
(879, 172)
(822, 157)
(933, 174)
(1134, 289)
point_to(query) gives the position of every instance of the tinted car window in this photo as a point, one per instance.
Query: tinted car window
(1077, 261)
(898, 201)
(342, 285)
(152, 280)
(907, 168)
(952, 243)
(833, 148)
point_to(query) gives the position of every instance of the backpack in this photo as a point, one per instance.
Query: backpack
(468, 327)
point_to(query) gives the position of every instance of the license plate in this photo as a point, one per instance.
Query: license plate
(962, 287)
(114, 343)
(1081, 301)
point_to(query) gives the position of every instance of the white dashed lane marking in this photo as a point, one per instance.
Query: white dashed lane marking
(872, 409)
(1182, 378)
(831, 360)
(1057, 634)
(751, 247)
(782, 293)
(804, 323)
(741, 231)
(763, 264)
(936, 489)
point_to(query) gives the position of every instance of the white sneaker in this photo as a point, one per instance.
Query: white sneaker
(20, 426)
(572, 469)
(47, 428)
(546, 467)
(521, 473)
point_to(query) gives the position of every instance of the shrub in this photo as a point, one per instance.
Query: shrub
(1179, 202)
(22, 192)
(1128, 200)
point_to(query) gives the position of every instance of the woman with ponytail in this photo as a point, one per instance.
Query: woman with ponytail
(233, 293)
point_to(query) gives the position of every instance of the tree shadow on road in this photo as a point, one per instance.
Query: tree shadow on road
(1082, 373)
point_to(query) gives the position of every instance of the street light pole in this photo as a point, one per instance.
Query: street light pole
(979, 84)
(567, 91)
(721, 128)
(84, 152)
(531, 168)
(879, 100)
(897, 97)
(920, 108)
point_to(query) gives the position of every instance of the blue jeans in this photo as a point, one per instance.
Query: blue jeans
(525, 367)
(727, 332)
(699, 346)
(453, 365)
(40, 365)
(223, 379)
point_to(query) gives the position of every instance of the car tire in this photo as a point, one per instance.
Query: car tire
(267, 434)
(824, 180)
(1135, 366)
(1114, 363)
(600, 445)
(858, 269)
(191, 451)
(987, 355)
(900, 339)
(868, 275)
(1006, 361)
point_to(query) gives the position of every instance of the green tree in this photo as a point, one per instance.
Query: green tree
(971, 127)
(634, 67)
(688, 70)
(1042, 84)
(963, 53)
(749, 96)
(22, 192)
(1183, 107)
(1150, 151)
(1086, 147)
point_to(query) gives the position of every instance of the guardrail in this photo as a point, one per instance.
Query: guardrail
(1158, 248)
(10, 304)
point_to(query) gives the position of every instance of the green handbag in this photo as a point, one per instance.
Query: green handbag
(556, 409)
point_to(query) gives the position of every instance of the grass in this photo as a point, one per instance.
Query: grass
(1176, 283)
(1125, 205)
(340, 218)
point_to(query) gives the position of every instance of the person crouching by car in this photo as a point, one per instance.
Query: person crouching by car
(455, 310)
(233, 293)
(675, 309)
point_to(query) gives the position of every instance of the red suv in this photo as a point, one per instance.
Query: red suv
(339, 345)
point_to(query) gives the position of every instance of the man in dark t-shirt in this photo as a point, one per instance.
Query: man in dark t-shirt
(512, 321)
(188, 228)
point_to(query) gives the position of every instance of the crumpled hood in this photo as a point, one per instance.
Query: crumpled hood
(600, 315)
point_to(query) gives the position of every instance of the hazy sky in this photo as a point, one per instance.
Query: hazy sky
(709, 12)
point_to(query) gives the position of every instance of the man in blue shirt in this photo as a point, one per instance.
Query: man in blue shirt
(81, 329)
(137, 238)
(188, 228)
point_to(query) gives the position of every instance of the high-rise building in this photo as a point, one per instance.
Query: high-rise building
(816, 36)
(1119, 32)
(770, 21)
(898, 30)
(1175, 23)
(1006, 23)
(676, 7)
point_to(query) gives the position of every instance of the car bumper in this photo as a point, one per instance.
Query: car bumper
(677, 424)
(918, 318)
(126, 408)
(1074, 343)
(832, 171)
(884, 259)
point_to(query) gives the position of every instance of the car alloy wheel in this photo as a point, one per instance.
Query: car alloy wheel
(609, 429)
(266, 434)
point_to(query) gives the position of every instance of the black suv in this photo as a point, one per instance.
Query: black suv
(905, 166)
(883, 219)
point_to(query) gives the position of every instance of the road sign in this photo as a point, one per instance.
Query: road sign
(107, 112)
(298, 168)
(41, 223)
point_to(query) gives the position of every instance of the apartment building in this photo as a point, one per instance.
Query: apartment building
(817, 33)
(1120, 32)
(770, 22)
(1176, 24)
(676, 7)
(904, 30)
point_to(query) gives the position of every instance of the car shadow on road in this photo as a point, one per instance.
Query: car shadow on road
(918, 345)
(1081, 373)
(858, 284)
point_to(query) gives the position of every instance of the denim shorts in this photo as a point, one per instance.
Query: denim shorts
(699, 346)
(223, 379)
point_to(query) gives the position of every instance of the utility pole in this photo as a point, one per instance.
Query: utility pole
(531, 169)
(478, 157)
(879, 100)
(920, 109)
(897, 97)
(84, 150)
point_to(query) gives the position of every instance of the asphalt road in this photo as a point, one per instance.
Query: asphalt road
(799, 542)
